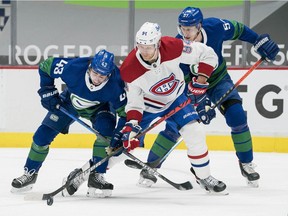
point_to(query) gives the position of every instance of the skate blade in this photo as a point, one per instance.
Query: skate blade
(97, 193)
(211, 192)
(146, 183)
(221, 193)
(21, 190)
(253, 184)
(65, 193)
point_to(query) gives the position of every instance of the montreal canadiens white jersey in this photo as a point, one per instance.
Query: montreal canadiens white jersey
(153, 88)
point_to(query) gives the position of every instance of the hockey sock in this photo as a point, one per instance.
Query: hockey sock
(160, 147)
(99, 153)
(36, 156)
(243, 145)
(237, 120)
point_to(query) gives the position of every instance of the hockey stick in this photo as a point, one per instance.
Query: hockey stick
(182, 186)
(153, 164)
(86, 169)
(237, 83)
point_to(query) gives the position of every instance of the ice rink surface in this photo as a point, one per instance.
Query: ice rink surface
(270, 199)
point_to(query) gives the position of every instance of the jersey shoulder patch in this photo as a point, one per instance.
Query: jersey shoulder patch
(46, 65)
(131, 68)
(170, 48)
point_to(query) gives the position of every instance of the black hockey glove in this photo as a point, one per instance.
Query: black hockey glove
(265, 47)
(206, 114)
(50, 98)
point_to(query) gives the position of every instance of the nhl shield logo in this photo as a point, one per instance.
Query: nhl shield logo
(166, 86)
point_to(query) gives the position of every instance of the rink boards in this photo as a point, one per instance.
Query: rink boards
(264, 94)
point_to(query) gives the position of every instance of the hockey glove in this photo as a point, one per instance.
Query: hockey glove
(49, 98)
(197, 91)
(130, 130)
(266, 48)
(206, 114)
(116, 141)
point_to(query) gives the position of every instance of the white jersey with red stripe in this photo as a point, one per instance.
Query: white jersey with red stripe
(153, 88)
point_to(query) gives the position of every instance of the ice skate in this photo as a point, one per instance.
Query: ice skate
(98, 186)
(76, 183)
(25, 182)
(252, 177)
(147, 179)
(211, 184)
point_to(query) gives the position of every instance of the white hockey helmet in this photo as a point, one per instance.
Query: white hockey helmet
(149, 34)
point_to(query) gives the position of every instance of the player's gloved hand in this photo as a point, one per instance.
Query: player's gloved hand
(197, 91)
(49, 98)
(116, 141)
(265, 47)
(130, 130)
(206, 114)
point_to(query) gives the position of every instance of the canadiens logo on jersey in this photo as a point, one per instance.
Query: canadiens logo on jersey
(166, 86)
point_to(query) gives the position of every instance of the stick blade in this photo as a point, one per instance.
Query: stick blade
(132, 164)
(186, 186)
(34, 196)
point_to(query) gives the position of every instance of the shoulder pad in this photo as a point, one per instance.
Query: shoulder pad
(46, 65)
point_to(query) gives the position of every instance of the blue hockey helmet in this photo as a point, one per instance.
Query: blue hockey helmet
(190, 16)
(103, 63)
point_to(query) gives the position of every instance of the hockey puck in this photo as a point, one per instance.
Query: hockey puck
(50, 201)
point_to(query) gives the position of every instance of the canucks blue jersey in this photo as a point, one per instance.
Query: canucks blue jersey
(85, 97)
(214, 32)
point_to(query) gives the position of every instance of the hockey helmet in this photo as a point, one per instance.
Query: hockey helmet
(148, 34)
(190, 16)
(103, 63)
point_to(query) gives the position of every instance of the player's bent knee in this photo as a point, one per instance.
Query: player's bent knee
(193, 134)
(105, 122)
(44, 135)
(226, 104)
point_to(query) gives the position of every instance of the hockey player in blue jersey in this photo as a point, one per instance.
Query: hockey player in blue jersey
(95, 91)
(213, 32)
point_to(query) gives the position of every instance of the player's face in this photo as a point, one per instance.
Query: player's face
(97, 78)
(148, 52)
(189, 32)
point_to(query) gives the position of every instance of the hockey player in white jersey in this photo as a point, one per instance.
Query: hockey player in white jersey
(155, 85)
